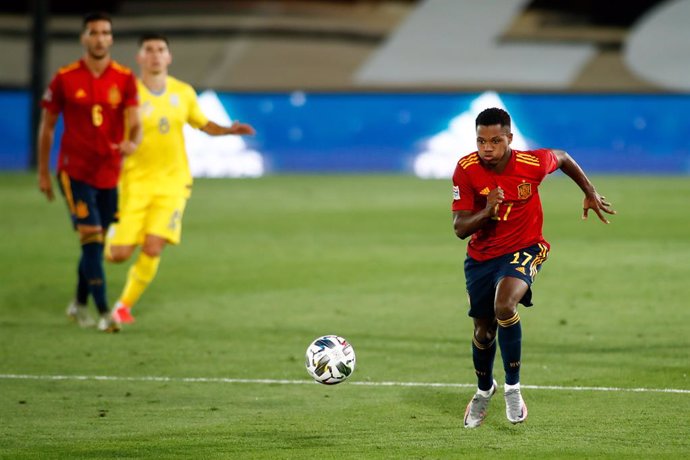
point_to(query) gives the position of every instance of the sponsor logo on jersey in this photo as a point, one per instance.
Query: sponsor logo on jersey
(80, 94)
(456, 192)
(524, 190)
(174, 100)
(485, 191)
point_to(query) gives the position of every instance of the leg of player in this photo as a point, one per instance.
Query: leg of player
(91, 237)
(509, 291)
(118, 253)
(139, 277)
(483, 354)
(78, 309)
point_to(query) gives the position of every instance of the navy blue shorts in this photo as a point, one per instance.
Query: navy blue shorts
(87, 204)
(483, 277)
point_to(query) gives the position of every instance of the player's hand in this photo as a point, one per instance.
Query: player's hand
(46, 186)
(493, 200)
(242, 129)
(597, 203)
(126, 147)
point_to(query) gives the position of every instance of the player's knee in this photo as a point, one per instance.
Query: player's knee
(153, 247)
(152, 252)
(90, 234)
(483, 334)
(505, 309)
(119, 254)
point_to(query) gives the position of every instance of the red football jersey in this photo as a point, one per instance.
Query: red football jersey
(520, 216)
(93, 114)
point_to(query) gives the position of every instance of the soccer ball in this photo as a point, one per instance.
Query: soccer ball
(330, 359)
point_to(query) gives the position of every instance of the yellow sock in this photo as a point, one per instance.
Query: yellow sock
(138, 278)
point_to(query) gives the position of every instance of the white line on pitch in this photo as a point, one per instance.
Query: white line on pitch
(308, 382)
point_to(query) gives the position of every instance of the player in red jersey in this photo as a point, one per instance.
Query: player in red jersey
(97, 98)
(496, 201)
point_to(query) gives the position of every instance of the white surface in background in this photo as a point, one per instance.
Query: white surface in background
(658, 46)
(445, 148)
(219, 156)
(458, 42)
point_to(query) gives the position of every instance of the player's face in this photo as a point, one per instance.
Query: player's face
(493, 142)
(154, 57)
(97, 39)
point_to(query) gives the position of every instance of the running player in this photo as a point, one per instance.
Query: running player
(496, 201)
(156, 181)
(97, 98)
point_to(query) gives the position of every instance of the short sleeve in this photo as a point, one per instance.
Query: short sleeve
(131, 94)
(463, 193)
(196, 117)
(53, 98)
(550, 161)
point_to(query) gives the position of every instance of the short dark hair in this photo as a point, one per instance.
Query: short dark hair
(153, 36)
(95, 16)
(493, 116)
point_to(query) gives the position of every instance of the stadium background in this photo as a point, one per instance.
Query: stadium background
(392, 86)
(214, 366)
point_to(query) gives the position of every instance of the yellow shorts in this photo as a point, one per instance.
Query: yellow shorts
(146, 214)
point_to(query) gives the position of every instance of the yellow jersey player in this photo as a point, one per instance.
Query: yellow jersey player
(156, 181)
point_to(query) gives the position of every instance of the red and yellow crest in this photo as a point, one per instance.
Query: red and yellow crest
(114, 96)
(524, 190)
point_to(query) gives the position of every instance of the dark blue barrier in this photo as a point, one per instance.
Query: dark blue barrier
(326, 132)
(14, 130)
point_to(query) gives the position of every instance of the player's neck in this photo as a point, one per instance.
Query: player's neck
(96, 66)
(155, 82)
(501, 165)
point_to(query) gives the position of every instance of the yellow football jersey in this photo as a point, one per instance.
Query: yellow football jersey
(159, 165)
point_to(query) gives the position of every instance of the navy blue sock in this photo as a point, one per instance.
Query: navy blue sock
(82, 284)
(483, 355)
(510, 341)
(92, 255)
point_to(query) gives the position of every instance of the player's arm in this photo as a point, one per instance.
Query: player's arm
(592, 199)
(213, 129)
(46, 132)
(466, 223)
(134, 131)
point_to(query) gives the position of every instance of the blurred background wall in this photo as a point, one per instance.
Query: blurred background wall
(390, 85)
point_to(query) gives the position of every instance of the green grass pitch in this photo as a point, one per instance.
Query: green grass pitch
(267, 265)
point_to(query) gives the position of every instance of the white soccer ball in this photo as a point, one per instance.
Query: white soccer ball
(330, 359)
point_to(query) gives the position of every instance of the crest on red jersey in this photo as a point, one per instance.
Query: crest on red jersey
(524, 190)
(114, 96)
